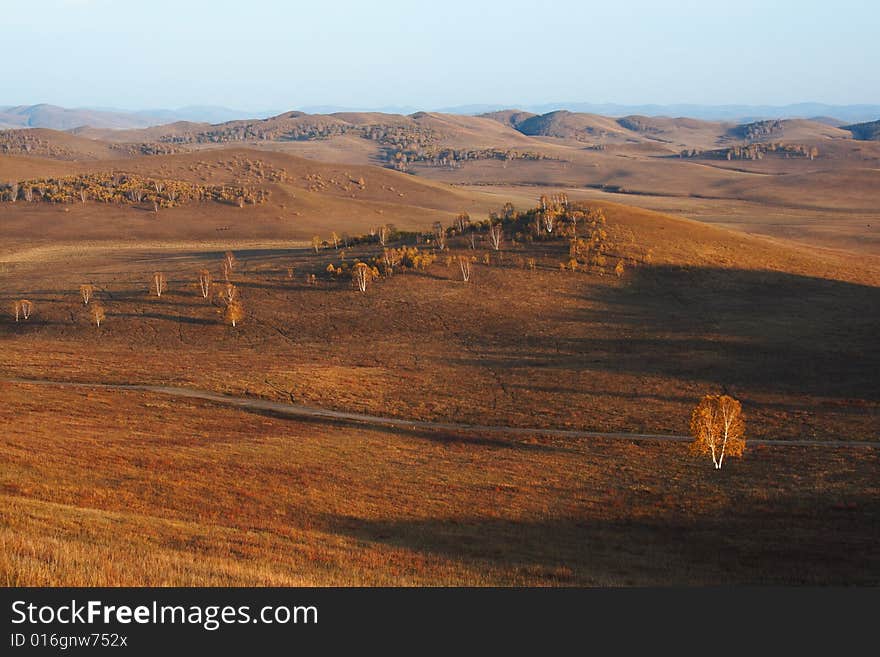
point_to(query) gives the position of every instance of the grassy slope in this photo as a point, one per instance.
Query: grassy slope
(192, 494)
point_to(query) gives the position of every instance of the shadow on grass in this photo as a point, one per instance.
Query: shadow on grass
(760, 330)
(804, 543)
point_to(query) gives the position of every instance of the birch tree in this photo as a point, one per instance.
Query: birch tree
(229, 294)
(86, 292)
(440, 235)
(160, 283)
(362, 274)
(234, 313)
(464, 263)
(205, 283)
(97, 314)
(496, 235)
(23, 309)
(229, 263)
(718, 428)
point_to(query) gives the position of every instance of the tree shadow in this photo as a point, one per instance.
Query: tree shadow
(795, 541)
(761, 330)
(170, 318)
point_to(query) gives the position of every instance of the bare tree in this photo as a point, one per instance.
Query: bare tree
(229, 293)
(464, 263)
(390, 259)
(496, 235)
(98, 314)
(86, 291)
(160, 283)
(13, 192)
(335, 239)
(205, 283)
(462, 221)
(439, 235)
(718, 428)
(229, 263)
(383, 234)
(316, 242)
(83, 195)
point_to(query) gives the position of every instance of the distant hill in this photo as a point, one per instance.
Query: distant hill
(570, 125)
(738, 113)
(869, 131)
(60, 118)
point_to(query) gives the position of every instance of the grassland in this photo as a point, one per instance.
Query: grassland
(117, 487)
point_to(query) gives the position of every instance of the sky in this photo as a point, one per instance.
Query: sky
(286, 54)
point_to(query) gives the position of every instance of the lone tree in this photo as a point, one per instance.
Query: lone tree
(205, 283)
(316, 242)
(23, 309)
(26, 308)
(718, 428)
(160, 283)
(86, 292)
(98, 314)
(234, 312)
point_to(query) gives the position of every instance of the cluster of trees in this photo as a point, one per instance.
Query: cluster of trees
(25, 142)
(348, 183)
(145, 148)
(400, 158)
(754, 152)
(592, 246)
(759, 129)
(390, 261)
(126, 188)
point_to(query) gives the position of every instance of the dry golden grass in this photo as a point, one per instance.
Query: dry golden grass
(133, 489)
(117, 488)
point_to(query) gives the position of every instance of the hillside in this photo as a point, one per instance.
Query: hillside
(865, 131)
(302, 196)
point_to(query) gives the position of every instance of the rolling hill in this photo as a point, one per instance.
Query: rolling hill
(865, 131)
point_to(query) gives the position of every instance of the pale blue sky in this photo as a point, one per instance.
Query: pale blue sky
(262, 54)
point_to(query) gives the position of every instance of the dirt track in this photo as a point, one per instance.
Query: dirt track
(297, 410)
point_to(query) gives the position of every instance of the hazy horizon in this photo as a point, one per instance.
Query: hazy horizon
(269, 56)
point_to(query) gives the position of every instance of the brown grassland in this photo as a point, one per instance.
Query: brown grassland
(104, 486)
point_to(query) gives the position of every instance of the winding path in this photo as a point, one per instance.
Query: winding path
(311, 412)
